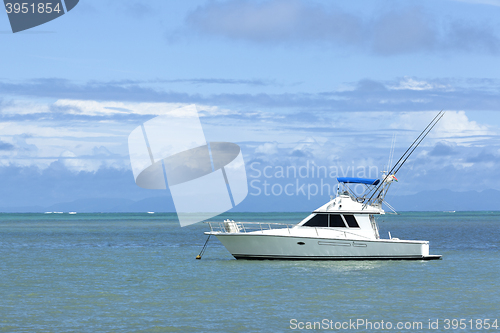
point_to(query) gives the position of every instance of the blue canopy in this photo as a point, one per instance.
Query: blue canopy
(366, 181)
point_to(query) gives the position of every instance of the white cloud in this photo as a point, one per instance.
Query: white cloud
(409, 83)
(70, 161)
(268, 148)
(455, 127)
(456, 124)
(96, 108)
(23, 107)
(100, 108)
(341, 139)
(51, 129)
(92, 163)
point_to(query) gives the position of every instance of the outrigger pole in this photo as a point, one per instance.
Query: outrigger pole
(405, 156)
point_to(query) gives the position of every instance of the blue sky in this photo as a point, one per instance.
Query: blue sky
(291, 82)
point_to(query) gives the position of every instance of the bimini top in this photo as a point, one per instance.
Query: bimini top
(353, 180)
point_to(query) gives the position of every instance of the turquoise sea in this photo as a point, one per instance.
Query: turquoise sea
(138, 273)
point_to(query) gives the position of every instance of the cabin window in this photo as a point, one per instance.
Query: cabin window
(336, 221)
(351, 221)
(318, 220)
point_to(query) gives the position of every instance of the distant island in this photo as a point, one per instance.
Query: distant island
(438, 200)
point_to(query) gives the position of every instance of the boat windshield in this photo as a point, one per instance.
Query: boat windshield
(332, 221)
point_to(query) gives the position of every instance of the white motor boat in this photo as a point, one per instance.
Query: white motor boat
(342, 229)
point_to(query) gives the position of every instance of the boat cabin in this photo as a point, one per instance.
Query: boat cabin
(348, 211)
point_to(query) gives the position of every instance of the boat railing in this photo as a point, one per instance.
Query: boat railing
(231, 227)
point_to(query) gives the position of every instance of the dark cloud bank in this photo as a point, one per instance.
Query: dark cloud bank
(365, 95)
(402, 30)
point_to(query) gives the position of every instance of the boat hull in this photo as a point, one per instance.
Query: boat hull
(261, 246)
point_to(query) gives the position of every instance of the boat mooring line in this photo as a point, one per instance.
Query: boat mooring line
(203, 249)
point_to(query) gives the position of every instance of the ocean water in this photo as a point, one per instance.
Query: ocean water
(138, 273)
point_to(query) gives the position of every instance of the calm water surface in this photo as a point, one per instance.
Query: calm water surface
(138, 273)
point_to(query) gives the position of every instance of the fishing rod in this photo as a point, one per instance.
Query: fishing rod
(425, 129)
(419, 142)
(406, 155)
(402, 156)
(407, 150)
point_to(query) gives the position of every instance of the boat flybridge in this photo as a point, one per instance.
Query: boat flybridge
(342, 229)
